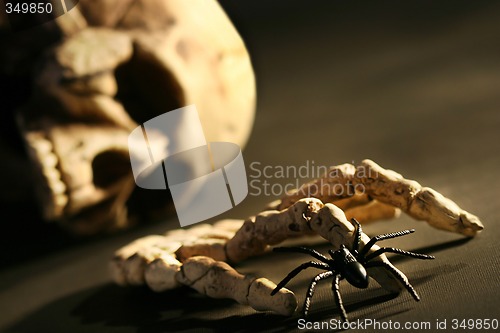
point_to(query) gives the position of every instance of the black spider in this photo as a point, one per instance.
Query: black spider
(349, 264)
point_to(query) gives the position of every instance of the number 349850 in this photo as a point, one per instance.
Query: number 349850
(32, 8)
(474, 324)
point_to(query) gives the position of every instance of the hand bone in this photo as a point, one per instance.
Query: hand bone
(300, 213)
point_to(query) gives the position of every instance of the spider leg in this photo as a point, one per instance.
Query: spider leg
(397, 275)
(357, 235)
(305, 250)
(375, 239)
(296, 271)
(338, 298)
(312, 286)
(398, 251)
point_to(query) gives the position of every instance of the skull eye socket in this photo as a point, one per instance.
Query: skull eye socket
(109, 167)
(146, 88)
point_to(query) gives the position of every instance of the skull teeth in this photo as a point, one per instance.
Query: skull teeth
(53, 195)
(49, 160)
(57, 186)
(40, 144)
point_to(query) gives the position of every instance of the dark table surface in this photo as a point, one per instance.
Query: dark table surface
(414, 86)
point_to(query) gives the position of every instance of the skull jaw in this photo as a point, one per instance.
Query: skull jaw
(82, 172)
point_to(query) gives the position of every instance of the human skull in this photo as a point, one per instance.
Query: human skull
(118, 64)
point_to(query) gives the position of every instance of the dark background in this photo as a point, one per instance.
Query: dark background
(413, 85)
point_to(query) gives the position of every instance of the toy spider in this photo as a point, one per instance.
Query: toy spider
(349, 264)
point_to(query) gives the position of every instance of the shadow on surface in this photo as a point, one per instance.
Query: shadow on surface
(140, 310)
(137, 309)
(431, 249)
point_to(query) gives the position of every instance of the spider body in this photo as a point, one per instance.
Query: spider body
(346, 264)
(349, 264)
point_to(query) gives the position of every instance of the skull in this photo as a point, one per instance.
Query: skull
(117, 64)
